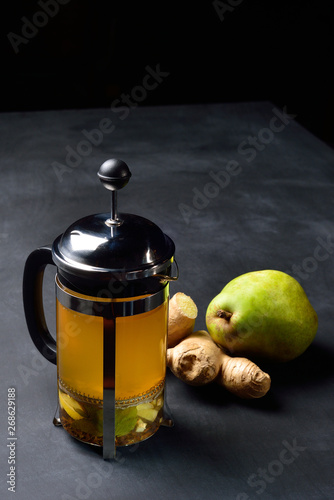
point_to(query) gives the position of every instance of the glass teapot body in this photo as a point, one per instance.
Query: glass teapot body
(111, 346)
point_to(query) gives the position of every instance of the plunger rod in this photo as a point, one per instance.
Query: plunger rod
(113, 213)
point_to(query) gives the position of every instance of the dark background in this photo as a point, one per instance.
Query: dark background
(91, 52)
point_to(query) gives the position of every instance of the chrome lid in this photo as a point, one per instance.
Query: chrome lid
(122, 246)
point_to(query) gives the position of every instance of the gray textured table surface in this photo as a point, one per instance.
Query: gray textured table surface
(238, 187)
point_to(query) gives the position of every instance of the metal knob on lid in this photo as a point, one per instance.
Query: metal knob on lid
(114, 175)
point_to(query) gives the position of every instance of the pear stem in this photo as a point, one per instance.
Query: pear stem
(224, 314)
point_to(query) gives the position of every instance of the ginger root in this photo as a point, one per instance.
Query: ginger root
(181, 318)
(197, 360)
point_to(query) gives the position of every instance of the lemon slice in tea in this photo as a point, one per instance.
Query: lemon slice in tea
(71, 406)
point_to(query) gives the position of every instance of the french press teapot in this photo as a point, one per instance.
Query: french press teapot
(112, 292)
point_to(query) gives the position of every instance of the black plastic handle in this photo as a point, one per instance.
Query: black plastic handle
(33, 302)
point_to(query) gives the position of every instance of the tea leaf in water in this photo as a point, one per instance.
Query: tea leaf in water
(126, 420)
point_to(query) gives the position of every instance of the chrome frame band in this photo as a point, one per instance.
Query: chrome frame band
(111, 309)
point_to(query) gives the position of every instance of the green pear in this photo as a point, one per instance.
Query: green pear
(263, 314)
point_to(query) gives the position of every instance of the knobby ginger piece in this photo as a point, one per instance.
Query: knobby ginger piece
(243, 377)
(181, 318)
(195, 360)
